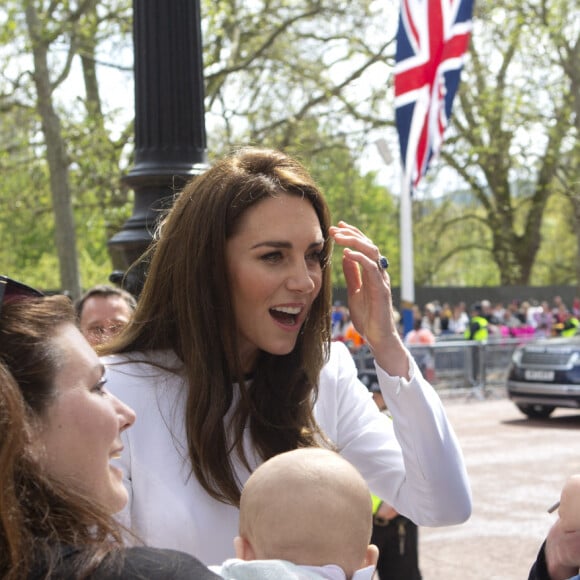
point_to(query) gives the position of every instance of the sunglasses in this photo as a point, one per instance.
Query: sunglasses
(11, 290)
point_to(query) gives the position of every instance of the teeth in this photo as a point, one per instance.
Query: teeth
(116, 456)
(288, 309)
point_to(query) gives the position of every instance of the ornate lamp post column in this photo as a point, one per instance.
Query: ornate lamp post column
(170, 138)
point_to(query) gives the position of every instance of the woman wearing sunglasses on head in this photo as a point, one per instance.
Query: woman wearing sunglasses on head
(59, 430)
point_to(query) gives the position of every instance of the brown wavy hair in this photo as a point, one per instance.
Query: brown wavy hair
(186, 305)
(38, 516)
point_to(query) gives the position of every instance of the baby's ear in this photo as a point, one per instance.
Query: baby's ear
(372, 556)
(243, 548)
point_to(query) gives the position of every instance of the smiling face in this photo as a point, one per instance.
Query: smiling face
(274, 262)
(81, 428)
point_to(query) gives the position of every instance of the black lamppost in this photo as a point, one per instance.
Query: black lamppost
(170, 138)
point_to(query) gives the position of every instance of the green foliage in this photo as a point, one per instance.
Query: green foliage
(557, 257)
(273, 65)
(310, 77)
(70, 34)
(513, 125)
(359, 201)
(451, 243)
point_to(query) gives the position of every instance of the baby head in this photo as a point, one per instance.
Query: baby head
(310, 507)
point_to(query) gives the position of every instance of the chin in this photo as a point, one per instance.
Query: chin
(117, 499)
(118, 503)
(282, 349)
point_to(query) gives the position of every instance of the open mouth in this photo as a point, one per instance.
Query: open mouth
(286, 315)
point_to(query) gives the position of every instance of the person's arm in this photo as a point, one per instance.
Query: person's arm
(430, 447)
(421, 471)
(561, 558)
(413, 461)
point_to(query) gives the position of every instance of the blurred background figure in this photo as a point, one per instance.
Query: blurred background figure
(445, 316)
(477, 331)
(431, 319)
(459, 319)
(339, 316)
(419, 334)
(544, 320)
(396, 536)
(350, 335)
(568, 326)
(559, 310)
(103, 311)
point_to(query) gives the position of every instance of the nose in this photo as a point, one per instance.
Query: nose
(301, 278)
(126, 414)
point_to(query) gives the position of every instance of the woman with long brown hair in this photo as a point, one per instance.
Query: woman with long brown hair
(229, 361)
(59, 430)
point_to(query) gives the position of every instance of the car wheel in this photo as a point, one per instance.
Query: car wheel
(536, 411)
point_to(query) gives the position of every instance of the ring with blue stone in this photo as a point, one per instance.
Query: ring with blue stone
(383, 263)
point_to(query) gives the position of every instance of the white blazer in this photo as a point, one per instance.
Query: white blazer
(413, 461)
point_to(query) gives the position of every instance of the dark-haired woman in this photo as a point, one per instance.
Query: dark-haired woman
(229, 361)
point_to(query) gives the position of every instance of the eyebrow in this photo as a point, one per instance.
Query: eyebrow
(278, 244)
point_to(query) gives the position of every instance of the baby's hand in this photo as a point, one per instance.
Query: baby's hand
(569, 509)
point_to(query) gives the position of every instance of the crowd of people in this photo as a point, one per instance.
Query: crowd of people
(433, 320)
(528, 317)
(148, 448)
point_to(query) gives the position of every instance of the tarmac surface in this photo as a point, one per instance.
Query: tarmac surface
(517, 467)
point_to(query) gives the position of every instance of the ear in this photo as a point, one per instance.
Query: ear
(36, 448)
(243, 548)
(372, 556)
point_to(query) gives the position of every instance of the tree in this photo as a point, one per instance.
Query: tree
(55, 152)
(257, 55)
(449, 250)
(58, 35)
(284, 74)
(514, 126)
(567, 57)
(274, 65)
(310, 77)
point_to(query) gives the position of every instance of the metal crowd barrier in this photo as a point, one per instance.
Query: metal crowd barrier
(455, 366)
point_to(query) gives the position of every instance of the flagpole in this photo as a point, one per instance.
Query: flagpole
(406, 252)
(406, 212)
(432, 39)
(406, 242)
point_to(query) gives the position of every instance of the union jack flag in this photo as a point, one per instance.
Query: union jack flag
(432, 40)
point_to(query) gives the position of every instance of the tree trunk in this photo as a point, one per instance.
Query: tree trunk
(65, 236)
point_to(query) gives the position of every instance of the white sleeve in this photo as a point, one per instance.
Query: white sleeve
(413, 461)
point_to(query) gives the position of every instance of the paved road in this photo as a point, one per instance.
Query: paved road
(517, 467)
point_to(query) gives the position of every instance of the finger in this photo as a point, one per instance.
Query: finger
(369, 265)
(352, 275)
(345, 229)
(358, 242)
(350, 227)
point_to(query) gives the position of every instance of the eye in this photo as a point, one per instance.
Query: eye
(99, 388)
(272, 257)
(316, 257)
